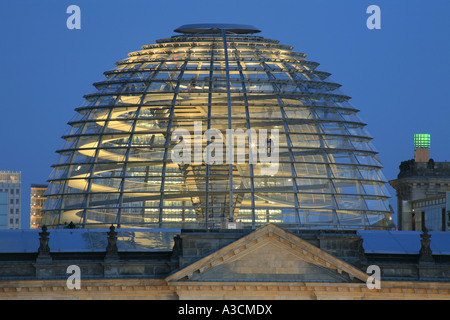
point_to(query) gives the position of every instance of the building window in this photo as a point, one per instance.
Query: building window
(443, 219)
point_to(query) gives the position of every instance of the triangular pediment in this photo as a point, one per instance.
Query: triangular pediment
(270, 254)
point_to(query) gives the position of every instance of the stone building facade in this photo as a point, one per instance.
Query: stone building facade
(421, 189)
(266, 263)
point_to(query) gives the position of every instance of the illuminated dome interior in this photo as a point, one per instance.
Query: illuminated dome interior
(117, 165)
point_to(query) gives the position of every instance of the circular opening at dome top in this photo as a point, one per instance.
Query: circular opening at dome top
(209, 28)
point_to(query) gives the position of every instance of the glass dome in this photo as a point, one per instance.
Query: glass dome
(118, 163)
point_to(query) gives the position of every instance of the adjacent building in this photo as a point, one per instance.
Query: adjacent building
(423, 190)
(10, 199)
(37, 200)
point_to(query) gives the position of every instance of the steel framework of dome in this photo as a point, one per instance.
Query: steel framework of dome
(116, 164)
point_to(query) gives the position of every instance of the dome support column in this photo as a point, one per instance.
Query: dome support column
(229, 143)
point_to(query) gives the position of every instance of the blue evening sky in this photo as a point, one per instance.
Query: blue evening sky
(397, 76)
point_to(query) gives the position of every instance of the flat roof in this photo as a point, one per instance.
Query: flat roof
(213, 28)
(403, 242)
(157, 240)
(87, 240)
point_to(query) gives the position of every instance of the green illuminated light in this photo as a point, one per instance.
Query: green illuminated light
(422, 140)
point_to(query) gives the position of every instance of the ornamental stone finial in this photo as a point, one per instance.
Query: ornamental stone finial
(44, 249)
(425, 253)
(112, 249)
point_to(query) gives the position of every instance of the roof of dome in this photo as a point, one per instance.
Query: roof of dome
(214, 28)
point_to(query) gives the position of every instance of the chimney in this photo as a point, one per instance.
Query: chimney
(421, 147)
